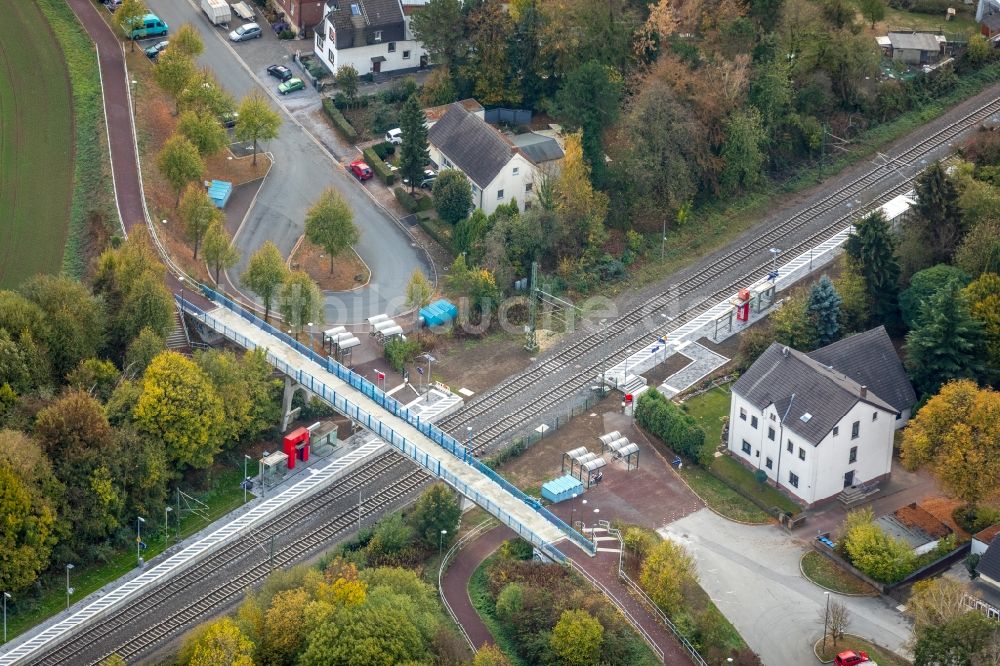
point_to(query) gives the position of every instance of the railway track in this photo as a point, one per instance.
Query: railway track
(192, 581)
(630, 326)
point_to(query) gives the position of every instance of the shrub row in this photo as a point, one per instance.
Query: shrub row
(384, 149)
(381, 168)
(339, 121)
(438, 230)
(405, 200)
(670, 423)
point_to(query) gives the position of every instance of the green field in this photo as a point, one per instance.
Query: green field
(36, 146)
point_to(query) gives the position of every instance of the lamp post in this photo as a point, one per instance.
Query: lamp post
(774, 263)
(139, 520)
(246, 459)
(604, 351)
(69, 590)
(166, 523)
(572, 514)
(826, 619)
(310, 336)
(441, 541)
(468, 440)
(6, 596)
(181, 280)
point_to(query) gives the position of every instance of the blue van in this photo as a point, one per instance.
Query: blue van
(149, 25)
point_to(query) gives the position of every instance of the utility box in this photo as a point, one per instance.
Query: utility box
(217, 11)
(296, 446)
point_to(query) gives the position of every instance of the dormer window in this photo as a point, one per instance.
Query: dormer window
(355, 10)
(378, 35)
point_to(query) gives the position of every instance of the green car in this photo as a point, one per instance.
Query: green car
(291, 85)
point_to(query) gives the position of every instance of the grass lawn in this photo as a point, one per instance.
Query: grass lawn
(36, 146)
(709, 409)
(824, 572)
(226, 496)
(879, 655)
(737, 475)
(721, 497)
(897, 19)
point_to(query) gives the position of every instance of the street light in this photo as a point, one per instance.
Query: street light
(310, 336)
(572, 513)
(69, 590)
(6, 596)
(441, 541)
(246, 478)
(604, 350)
(166, 523)
(139, 520)
(468, 441)
(774, 263)
(181, 280)
(826, 618)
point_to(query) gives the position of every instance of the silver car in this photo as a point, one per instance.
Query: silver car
(245, 32)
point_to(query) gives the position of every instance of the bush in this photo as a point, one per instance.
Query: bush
(340, 123)
(384, 149)
(399, 90)
(382, 169)
(398, 352)
(974, 519)
(677, 429)
(286, 34)
(405, 200)
(874, 552)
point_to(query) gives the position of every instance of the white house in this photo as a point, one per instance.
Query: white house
(373, 36)
(498, 170)
(811, 428)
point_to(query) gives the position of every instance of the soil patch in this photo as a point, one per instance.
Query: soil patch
(674, 363)
(479, 364)
(348, 269)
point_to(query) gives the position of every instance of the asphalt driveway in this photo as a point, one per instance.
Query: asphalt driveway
(752, 575)
(302, 169)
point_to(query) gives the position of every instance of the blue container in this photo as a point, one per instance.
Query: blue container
(219, 192)
(563, 488)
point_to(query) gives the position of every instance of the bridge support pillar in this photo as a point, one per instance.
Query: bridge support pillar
(287, 413)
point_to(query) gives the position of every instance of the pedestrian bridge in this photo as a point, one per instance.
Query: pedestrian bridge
(428, 446)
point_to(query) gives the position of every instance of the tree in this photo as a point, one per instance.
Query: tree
(439, 88)
(873, 250)
(872, 10)
(983, 296)
(923, 285)
(180, 163)
(666, 571)
(175, 70)
(300, 301)
(179, 406)
(257, 121)
(440, 27)
(27, 536)
(527, 63)
(94, 376)
(937, 225)
(220, 642)
(957, 434)
(452, 195)
(198, 213)
(437, 509)
(824, 308)
(792, 326)
(204, 95)
(75, 320)
(945, 343)
(219, 251)
(187, 40)
(141, 352)
(251, 403)
(413, 153)
(580, 209)
(936, 601)
(283, 632)
(979, 50)
(330, 224)
(129, 14)
(346, 80)
(835, 618)
(419, 290)
(743, 150)
(590, 100)
(576, 638)
(959, 641)
(265, 273)
(873, 551)
(490, 29)
(490, 655)
(980, 249)
(203, 130)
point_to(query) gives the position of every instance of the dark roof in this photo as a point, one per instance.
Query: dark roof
(538, 148)
(989, 563)
(472, 145)
(870, 359)
(821, 393)
(991, 21)
(987, 535)
(917, 41)
(356, 22)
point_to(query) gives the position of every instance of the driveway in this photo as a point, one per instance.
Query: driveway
(302, 169)
(752, 575)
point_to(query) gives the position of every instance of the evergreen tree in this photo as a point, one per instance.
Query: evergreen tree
(824, 308)
(873, 249)
(413, 153)
(946, 343)
(937, 224)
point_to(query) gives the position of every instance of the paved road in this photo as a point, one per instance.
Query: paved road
(455, 584)
(752, 575)
(301, 171)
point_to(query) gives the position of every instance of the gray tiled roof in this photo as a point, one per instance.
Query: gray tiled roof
(824, 394)
(472, 145)
(385, 16)
(870, 359)
(989, 563)
(538, 148)
(919, 41)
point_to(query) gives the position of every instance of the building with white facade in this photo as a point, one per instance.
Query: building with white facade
(819, 423)
(372, 36)
(498, 170)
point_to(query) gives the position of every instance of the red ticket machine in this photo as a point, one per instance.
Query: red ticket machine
(296, 446)
(742, 303)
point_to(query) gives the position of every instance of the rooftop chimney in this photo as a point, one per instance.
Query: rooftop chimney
(864, 391)
(784, 352)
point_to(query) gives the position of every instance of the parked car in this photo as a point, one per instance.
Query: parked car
(156, 49)
(149, 25)
(229, 119)
(361, 170)
(112, 5)
(394, 136)
(291, 85)
(245, 32)
(280, 72)
(850, 658)
(426, 181)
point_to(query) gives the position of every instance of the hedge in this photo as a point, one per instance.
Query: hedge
(340, 123)
(380, 167)
(405, 200)
(670, 423)
(384, 149)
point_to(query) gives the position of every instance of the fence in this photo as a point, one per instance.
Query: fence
(445, 441)
(508, 116)
(487, 524)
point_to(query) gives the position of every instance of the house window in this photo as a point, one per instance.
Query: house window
(499, 195)
(802, 453)
(392, 47)
(746, 447)
(855, 429)
(793, 479)
(528, 187)
(768, 463)
(836, 430)
(899, 416)
(774, 417)
(790, 447)
(770, 434)
(854, 455)
(406, 55)
(378, 35)
(515, 171)
(874, 416)
(753, 421)
(743, 414)
(475, 188)
(448, 165)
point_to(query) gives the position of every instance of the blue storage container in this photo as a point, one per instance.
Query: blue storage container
(563, 488)
(219, 192)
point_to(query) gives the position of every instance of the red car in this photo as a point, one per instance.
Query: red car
(360, 169)
(850, 658)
